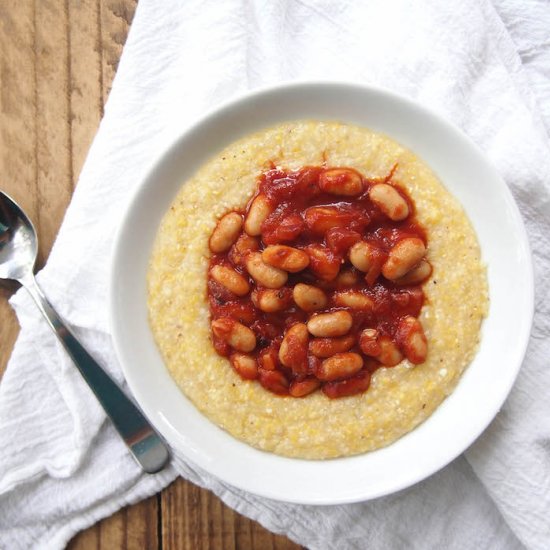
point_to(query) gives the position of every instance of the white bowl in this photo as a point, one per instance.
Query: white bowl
(482, 389)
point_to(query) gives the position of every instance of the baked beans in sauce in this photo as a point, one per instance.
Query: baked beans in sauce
(318, 281)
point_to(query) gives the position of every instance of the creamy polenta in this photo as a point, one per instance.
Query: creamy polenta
(399, 398)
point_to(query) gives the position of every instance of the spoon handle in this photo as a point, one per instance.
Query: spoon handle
(142, 440)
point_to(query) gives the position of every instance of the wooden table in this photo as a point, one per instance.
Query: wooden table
(57, 61)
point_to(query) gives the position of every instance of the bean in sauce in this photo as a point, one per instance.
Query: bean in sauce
(321, 212)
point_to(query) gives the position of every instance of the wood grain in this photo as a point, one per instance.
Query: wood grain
(195, 519)
(17, 131)
(58, 59)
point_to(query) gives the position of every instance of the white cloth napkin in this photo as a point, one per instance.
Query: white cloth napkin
(484, 65)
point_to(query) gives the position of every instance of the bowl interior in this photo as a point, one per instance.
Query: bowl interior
(483, 387)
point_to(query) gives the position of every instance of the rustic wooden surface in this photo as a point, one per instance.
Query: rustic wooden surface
(57, 62)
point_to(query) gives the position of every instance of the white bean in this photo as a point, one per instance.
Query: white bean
(360, 255)
(226, 232)
(354, 300)
(389, 200)
(414, 342)
(308, 297)
(271, 300)
(230, 279)
(327, 347)
(341, 181)
(389, 352)
(347, 278)
(264, 274)
(341, 365)
(368, 342)
(245, 365)
(285, 257)
(330, 324)
(416, 275)
(257, 213)
(403, 256)
(293, 350)
(242, 247)
(301, 388)
(234, 333)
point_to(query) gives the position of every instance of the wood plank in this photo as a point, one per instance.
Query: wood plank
(48, 118)
(115, 19)
(195, 519)
(133, 528)
(86, 77)
(17, 102)
(17, 133)
(53, 140)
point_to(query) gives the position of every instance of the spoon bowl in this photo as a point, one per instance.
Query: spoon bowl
(18, 241)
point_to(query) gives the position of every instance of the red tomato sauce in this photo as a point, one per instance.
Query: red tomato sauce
(292, 222)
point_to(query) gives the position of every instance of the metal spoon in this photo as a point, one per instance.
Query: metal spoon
(18, 249)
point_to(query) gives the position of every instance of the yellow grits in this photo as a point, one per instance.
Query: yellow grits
(399, 398)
